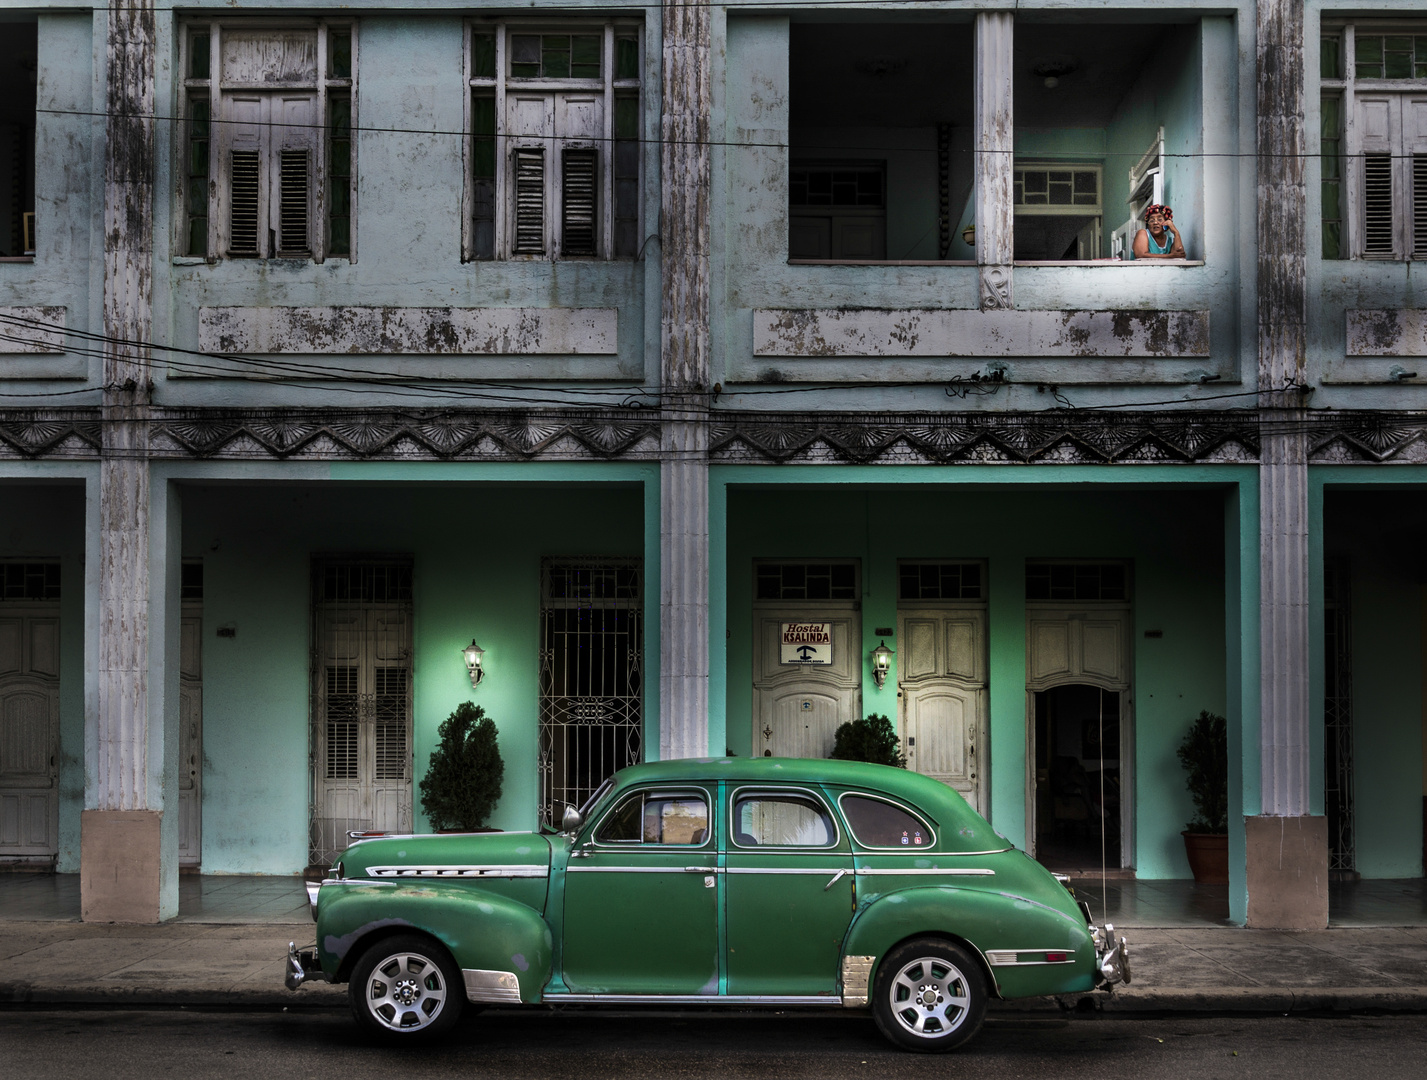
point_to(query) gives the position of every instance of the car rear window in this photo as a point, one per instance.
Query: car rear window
(881, 824)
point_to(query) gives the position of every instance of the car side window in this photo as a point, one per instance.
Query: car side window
(766, 820)
(876, 823)
(657, 819)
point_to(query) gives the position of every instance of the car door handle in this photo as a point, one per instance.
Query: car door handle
(835, 879)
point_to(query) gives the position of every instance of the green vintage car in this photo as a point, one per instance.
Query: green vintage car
(763, 881)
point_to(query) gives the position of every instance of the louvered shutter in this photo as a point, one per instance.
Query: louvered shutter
(529, 201)
(295, 139)
(1379, 133)
(579, 192)
(1414, 139)
(245, 174)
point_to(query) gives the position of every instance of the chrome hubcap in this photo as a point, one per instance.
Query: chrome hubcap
(406, 992)
(929, 997)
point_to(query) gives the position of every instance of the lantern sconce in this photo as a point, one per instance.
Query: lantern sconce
(881, 664)
(473, 654)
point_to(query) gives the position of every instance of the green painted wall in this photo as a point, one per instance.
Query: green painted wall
(44, 521)
(1174, 537)
(1381, 536)
(477, 551)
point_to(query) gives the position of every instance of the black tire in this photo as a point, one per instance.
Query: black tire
(930, 996)
(406, 989)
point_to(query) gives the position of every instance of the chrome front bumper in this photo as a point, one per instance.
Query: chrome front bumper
(299, 965)
(1112, 957)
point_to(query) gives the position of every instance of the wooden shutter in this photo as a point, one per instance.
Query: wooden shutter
(245, 175)
(294, 141)
(529, 201)
(579, 189)
(1414, 144)
(1380, 130)
(1377, 204)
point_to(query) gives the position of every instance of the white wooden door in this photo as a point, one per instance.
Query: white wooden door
(29, 732)
(362, 725)
(942, 687)
(797, 708)
(190, 740)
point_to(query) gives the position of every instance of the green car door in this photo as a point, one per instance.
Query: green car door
(641, 898)
(789, 893)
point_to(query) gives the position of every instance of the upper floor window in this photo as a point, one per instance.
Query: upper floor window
(553, 144)
(19, 68)
(1373, 141)
(266, 167)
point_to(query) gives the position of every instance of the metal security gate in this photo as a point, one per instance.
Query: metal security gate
(361, 701)
(591, 677)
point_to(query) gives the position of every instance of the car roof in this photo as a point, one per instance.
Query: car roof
(932, 797)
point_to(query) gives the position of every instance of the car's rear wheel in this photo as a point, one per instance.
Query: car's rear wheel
(406, 988)
(930, 996)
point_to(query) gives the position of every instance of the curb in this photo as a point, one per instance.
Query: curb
(127, 997)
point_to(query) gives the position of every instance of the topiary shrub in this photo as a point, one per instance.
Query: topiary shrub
(463, 781)
(869, 739)
(1204, 753)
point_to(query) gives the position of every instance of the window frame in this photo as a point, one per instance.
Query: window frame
(644, 795)
(930, 845)
(215, 90)
(807, 794)
(1348, 89)
(497, 86)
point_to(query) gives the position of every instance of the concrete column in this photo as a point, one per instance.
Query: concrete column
(120, 829)
(1287, 847)
(683, 503)
(995, 236)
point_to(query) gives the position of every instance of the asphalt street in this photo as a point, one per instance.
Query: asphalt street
(142, 1044)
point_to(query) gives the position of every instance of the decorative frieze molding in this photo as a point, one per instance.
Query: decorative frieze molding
(843, 332)
(1387, 332)
(363, 331)
(1099, 437)
(32, 329)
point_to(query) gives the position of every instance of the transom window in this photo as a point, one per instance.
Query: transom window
(267, 152)
(939, 581)
(29, 581)
(781, 820)
(653, 818)
(807, 581)
(1076, 581)
(553, 148)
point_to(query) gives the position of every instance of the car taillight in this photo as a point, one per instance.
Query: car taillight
(1056, 957)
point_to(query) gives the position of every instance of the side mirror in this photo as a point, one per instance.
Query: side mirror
(570, 820)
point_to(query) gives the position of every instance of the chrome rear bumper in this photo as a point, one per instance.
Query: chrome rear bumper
(1112, 957)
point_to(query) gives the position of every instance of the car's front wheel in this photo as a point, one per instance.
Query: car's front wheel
(406, 988)
(930, 996)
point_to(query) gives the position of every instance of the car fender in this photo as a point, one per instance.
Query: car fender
(482, 930)
(986, 920)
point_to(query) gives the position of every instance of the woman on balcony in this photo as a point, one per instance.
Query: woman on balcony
(1159, 239)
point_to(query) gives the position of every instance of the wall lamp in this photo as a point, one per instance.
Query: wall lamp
(473, 654)
(881, 664)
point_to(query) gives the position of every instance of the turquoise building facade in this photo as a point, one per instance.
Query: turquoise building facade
(625, 342)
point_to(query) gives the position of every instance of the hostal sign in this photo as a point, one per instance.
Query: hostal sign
(806, 643)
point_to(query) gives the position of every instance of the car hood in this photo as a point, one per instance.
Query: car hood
(448, 855)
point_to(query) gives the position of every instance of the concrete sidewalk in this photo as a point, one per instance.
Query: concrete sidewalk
(1174, 970)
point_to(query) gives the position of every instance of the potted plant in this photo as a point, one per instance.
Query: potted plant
(463, 780)
(1204, 753)
(869, 739)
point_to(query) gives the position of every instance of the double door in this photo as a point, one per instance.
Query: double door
(29, 732)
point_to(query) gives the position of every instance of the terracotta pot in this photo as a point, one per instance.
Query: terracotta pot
(1208, 856)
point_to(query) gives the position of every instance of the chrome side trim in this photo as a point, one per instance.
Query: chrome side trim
(950, 871)
(495, 986)
(312, 887)
(816, 871)
(689, 999)
(1012, 957)
(459, 871)
(643, 870)
(856, 976)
